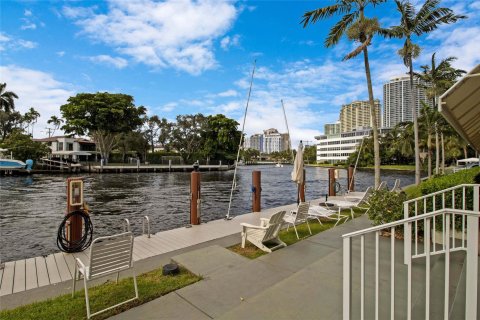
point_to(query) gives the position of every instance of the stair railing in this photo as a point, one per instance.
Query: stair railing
(466, 216)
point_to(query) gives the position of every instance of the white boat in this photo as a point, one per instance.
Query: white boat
(10, 163)
(466, 164)
(279, 165)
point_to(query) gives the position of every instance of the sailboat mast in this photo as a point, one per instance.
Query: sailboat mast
(288, 131)
(241, 141)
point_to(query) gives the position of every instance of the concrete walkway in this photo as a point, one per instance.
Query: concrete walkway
(300, 281)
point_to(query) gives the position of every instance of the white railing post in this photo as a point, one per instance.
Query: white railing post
(405, 238)
(472, 259)
(446, 244)
(408, 253)
(347, 278)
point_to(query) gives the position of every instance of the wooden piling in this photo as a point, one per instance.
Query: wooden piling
(195, 198)
(256, 190)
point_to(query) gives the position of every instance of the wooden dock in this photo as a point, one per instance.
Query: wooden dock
(26, 274)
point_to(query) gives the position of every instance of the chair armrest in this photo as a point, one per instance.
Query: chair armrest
(264, 222)
(248, 225)
(79, 263)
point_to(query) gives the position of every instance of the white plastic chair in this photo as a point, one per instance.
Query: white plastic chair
(108, 255)
(317, 212)
(264, 236)
(300, 215)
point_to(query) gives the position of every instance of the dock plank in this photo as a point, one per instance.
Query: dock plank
(42, 273)
(158, 244)
(62, 267)
(70, 260)
(150, 245)
(53, 273)
(1, 276)
(30, 274)
(19, 278)
(7, 279)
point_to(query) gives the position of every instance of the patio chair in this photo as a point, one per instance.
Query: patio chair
(300, 215)
(108, 255)
(264, 236)
(317, 212)
(352, 202)
(382, 186)
(356, 196)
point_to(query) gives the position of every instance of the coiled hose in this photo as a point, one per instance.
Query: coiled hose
(84, 242)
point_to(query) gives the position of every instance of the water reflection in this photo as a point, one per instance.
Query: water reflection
(31, 208)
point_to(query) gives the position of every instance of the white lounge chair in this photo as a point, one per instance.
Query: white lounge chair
(300, 215)
(264, 236)
(317, 212)
(352, 202)
(382, 186)
(108, 255)
(396, 186)
(356, 196)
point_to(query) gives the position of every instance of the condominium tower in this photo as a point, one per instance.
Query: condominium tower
(357, 115)
(397, 98)
(332, 128)
(270, 141)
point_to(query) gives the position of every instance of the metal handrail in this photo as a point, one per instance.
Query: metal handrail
(147, 219)
(126, 227)
(410, 219)
(440, 192)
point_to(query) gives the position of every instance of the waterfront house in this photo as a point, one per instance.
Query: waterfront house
(70, 148)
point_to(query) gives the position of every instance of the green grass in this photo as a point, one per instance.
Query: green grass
(151, 285)
(400, 167)
(289, 236)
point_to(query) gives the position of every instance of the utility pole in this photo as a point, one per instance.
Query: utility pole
(49, 132)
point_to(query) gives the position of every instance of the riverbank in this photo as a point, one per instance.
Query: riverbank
(382, 167)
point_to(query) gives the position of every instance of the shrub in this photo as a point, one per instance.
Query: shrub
(386, 206)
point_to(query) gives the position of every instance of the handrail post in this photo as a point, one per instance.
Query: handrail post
(472, 259)
(347, 278)
(126, 227)
(406, 238)
(147, 219)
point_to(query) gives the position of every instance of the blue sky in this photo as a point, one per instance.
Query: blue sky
(182, 57)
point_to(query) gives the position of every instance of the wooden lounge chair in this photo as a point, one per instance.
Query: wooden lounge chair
(264, 236)
(108, 255)
(300, 215)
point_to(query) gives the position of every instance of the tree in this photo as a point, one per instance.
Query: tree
(186, 135)
(165, 134)
(56, 122)
(7, 102)
(361, 30)
(152, 129)
(219, 138)
(309, 154)
(133, 141)
(437, 79)
(428, 18)
(30, 118)
(23, 147)
(102, 116)
(249, 154)
(426, 123)
(9, 122)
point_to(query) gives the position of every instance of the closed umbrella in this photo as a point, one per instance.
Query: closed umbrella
(298, 171)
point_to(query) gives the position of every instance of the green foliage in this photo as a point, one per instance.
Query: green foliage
(310, 154)
(249, 154)
(7, 102)
(9, 122)
(447, 181)
(151, 285)
(187, 135)
(23, 147)
(220, 138)
(386, 206)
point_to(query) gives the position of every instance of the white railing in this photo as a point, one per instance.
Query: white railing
(449, 218)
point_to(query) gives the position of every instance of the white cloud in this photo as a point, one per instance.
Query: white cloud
(60, 53)
(36, 89)
(15, 44)
(228, 93)
(176, 34)
(27, 13)
(169, 107)
(228, 42)
(116, 62)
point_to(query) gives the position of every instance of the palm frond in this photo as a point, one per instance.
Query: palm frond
(339, 29)
(322, 13)
(359, 49)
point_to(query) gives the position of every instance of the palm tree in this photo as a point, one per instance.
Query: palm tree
(438, 78)
(30, 118)
(7, 103)
(57, 122)
(359, 29)
(427, 122)
(412, 23)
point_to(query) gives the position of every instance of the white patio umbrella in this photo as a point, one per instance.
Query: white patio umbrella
(297, 173)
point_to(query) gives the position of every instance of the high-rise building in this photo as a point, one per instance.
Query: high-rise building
(332, 128)
(255, 142)
(357, 115)
(397, 98)
(272, 141)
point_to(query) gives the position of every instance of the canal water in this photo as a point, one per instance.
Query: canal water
(32, 207)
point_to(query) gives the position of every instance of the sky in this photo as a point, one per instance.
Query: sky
(185, 57)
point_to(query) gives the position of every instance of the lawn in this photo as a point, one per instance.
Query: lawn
(289, 236)
(151, 285)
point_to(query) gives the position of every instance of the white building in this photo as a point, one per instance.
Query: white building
(338, 147)
(397, 99)
(76, 149)
(273, 141)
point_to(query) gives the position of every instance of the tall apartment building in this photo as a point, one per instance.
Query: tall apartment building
(397, 98)
(273, 141)
(254, 142)
(332, 128)
(357, 115)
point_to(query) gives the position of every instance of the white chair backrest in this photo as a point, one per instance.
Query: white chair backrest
(396, 185)
(366, 195)
(382, 185)
(111, 254)
(274, 226)
(302, 211)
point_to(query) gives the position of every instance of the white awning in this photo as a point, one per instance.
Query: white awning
(460, 105)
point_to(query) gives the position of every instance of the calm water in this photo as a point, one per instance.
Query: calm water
(32, 207)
